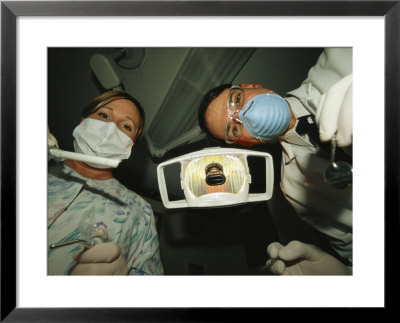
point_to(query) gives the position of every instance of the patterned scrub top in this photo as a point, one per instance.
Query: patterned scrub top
(76, 203)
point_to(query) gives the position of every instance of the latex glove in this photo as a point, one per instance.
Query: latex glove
(51, 140)
(335, 112)
(298, 258)
(102, 259)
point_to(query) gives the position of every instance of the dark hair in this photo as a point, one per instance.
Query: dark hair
(109, 96)
(205, 102)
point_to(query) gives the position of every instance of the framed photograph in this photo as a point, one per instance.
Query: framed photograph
(30, 28)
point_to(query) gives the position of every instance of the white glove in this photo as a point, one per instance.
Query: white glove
(298, 258)
(51, 140)
(103, 259)
(335, 112)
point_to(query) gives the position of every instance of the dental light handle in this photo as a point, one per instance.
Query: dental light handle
(58, 153)
(163, 188)
(269, 177)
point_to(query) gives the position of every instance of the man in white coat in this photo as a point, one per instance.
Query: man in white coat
(320, 110)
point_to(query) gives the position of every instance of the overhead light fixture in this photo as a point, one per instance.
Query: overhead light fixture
(111, 66)
(216, 177)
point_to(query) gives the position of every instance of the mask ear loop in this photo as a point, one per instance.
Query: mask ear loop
(235, 119)
(261, 140)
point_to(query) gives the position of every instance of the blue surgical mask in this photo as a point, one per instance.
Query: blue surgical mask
(265, 116)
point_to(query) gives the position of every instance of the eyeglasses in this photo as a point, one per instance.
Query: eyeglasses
(233, 126)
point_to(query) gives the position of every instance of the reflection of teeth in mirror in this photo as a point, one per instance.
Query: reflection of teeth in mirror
(216, 188)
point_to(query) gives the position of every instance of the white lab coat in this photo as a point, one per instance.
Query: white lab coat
(329, 210)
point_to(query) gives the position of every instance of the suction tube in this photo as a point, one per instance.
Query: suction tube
(58, 153)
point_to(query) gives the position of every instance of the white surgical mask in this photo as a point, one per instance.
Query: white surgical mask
(103, 139)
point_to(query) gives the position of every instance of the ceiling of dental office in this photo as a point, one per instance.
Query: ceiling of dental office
(169, 83)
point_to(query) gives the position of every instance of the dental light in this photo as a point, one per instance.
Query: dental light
(216, 177)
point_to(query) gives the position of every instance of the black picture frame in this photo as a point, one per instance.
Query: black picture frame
(10, 10)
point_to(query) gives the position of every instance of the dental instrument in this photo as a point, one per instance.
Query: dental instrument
(58, 153)
(339, 173)
(89, 243)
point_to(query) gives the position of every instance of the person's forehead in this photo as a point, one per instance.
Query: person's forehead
(221, 100)
(124, 105)
(217, 107)
(215, 115)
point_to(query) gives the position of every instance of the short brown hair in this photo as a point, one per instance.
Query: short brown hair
(205, 102)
